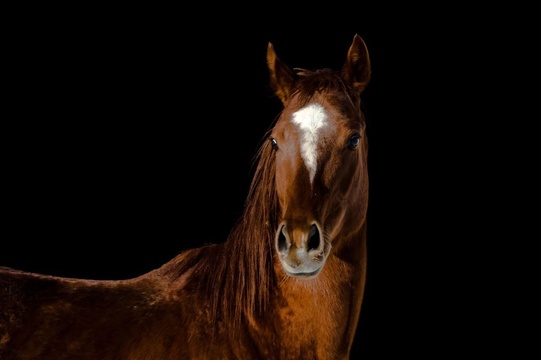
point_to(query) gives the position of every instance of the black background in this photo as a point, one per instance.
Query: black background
(129, 136)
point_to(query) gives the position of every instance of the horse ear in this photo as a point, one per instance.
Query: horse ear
(356, 70)
(282, 78)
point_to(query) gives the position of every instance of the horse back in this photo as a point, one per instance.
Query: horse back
(49, 317)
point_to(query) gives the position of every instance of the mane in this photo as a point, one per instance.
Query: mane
(311, 83)
(237, 276)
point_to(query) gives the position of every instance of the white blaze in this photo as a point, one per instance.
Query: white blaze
(310, 120)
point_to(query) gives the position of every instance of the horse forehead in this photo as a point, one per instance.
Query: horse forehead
(312, 121)
(311, 118)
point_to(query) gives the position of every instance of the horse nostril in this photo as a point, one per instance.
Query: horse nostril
(313, 238)
(282, 241)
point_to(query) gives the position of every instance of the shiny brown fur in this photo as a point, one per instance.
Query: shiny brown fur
(232, 300)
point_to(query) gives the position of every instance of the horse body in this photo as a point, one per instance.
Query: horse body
(287, 284)
(162, 316)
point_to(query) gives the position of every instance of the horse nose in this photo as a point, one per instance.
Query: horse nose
(301, 239)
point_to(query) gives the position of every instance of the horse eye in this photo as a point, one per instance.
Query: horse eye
(274, 144)
(353, 141)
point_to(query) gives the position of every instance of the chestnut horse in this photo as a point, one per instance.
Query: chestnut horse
(288, 281)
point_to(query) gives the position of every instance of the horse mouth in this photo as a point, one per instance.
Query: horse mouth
(305, 269)
(303, 274)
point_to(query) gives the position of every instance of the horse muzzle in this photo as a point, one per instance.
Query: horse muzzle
(302, 250)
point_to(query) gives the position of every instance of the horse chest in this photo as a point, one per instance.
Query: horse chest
(311, 323)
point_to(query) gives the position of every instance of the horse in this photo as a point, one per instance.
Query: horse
(287, 282)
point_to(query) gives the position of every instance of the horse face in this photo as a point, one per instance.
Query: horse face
(320, 179)
(321, 175)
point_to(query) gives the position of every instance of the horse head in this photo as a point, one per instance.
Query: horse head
(320, 150)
